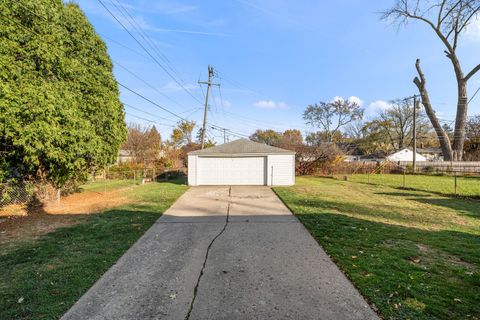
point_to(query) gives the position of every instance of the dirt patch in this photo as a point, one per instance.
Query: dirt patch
(88, 202)
(430, 256)
(20, 229)
(14, 210)
(18, 225)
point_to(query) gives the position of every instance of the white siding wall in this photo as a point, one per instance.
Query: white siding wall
(192, 170)
(283, 170)
(283, 167)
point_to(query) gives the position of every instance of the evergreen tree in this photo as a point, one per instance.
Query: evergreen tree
(59, 102)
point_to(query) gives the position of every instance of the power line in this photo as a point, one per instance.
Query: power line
(131, 20)
(131, 90)
(241, 135)
(146, 112)
(152, 102)
(131, 72)
(147, 83)
(151, 121)
(476, 92)
(148, 52)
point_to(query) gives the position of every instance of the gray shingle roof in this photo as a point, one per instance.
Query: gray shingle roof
(241, 146)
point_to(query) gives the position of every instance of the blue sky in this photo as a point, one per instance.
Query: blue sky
(274, 57)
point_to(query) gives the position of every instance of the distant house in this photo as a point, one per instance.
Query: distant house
(124, 156)
(405, 155)
(432, 154)
(377, 156)
(353, 153)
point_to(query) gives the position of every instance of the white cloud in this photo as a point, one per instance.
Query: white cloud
(354, 99)
(377, 107)
(270, 104)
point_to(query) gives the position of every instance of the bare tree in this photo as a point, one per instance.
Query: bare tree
(472, 145)
(330, 117)
(396, 123)
(143, 144)
(310, 158)
(182, 134)
(448, 19)
(355, 130)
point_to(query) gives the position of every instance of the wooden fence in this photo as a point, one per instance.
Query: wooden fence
(444, 166)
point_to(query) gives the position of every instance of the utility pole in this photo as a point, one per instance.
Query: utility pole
(224, 135)
(209, 83)
(414, 166)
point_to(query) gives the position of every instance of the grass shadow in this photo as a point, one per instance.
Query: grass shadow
(467, 207)
(51, 273)
(406, 272)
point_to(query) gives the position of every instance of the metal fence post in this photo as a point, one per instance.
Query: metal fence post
(455, 178)
(404, 176)
(105, 181)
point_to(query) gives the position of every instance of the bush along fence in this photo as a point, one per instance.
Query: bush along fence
(34, 194)
(140, 176)
(27, 193)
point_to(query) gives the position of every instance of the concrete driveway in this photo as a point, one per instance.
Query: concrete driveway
(224, 253)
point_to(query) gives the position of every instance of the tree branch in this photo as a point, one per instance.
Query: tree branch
(448, 13)
(441, 134)
(472, 73)
(419, 82)
(439, 22)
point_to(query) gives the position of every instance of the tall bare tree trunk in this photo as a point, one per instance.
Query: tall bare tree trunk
(460, 120)
(443, 138)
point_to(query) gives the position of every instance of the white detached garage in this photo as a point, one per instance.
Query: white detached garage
(241, 162)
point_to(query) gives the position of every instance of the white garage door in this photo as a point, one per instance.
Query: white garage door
(231, 171)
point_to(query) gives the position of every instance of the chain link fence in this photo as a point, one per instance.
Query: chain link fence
(27, 193)
(113, 178)
(15, 193)
(452, 180)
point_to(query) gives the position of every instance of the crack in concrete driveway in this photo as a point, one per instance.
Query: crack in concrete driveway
(265, 265)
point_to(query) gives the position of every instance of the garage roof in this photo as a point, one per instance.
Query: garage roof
(241, 146)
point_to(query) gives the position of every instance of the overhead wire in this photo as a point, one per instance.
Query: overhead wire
(146, 112)
(120, 84)
(131, 20)
(151, 102)
(148, 52)
(149, 120)
(135, 75)
(147, 83)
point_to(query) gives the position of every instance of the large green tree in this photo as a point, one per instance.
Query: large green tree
(60, 113)
(269, 136)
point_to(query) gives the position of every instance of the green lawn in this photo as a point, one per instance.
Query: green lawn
(466, 186)
(42, 278)
(108, 185)
(412, 254)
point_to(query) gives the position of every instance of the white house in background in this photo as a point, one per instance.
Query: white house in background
(432, 154)
(124, 156)
(405, 155)
(241, 162)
